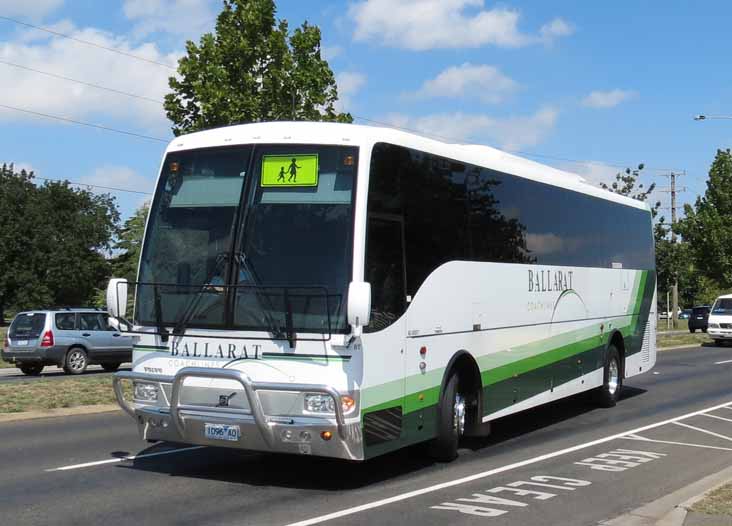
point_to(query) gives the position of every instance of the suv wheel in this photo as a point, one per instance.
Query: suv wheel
(31, 369)
(110, 367)
(76, 361)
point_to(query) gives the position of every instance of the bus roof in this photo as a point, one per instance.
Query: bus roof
(359, 135)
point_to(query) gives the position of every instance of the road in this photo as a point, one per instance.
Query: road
(9, 374)
(566, 464)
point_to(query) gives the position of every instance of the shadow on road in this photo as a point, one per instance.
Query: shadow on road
(301, 472)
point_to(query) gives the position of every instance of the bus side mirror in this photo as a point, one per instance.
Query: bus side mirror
(359, 305)
(117, 298)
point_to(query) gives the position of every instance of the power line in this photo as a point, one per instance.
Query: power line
(82, 123)
(89, 43)
(91, 85)
(114, 189)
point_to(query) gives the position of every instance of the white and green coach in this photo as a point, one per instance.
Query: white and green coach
(344, 291)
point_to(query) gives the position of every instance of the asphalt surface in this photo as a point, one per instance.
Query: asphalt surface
(9, 374)
(595, 464)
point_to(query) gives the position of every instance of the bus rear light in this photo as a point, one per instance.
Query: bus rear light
(47, 340)
(423, 351)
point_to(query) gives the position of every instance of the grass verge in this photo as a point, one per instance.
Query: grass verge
(718, 502)
(38, 395)
(674, 340)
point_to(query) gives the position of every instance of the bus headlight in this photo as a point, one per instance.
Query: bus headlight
(146, 392)
(321, 403)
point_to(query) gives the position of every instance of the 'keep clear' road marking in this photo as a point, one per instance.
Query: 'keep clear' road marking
(502, 469)
(120, 459)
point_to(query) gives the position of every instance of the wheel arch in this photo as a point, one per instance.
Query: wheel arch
(617, 340)
(469, 381)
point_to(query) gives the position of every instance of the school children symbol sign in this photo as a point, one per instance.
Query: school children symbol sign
(290, 170)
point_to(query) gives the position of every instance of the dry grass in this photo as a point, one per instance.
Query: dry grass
(718, 502)
(20, 396)
(687, 338)
(4, 365)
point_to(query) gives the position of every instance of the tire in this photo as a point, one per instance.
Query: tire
(704, 329)
(31, 370)
(612, 380)
(692, 330)
(110, 367)
(76, 361)
(450, 423)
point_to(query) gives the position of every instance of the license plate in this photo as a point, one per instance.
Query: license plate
(21, 342)
(221, 432)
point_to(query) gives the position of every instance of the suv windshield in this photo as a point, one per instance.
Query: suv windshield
(722, 306)
(27, 325)
(256, 238)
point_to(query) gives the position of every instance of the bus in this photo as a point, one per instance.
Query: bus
(344, 291)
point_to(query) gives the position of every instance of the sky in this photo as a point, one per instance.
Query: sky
(589, 87)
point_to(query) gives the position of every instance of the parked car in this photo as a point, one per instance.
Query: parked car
(699, 318)
(685, 314)
(69, 338)
(720, 320)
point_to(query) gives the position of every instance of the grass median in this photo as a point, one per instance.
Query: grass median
(39, 395)
(676, 340)
(718, 502)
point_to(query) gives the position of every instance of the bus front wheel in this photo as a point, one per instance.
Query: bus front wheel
(451, 414)
(612, 379)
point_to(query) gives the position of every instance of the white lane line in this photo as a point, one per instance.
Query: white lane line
(704, 446)
(703, 431)
(725, 361)
(718, 417)
(120, 459)
(502, 469)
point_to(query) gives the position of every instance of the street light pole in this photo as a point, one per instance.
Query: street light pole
(711, 117)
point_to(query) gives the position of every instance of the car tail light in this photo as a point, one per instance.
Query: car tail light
(47, 340)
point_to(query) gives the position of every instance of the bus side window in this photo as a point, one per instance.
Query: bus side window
(385, 271)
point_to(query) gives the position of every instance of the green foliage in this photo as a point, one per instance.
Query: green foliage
(626, 183)
(52, 238)
(129, 242)
(252, 69)
(707, 226)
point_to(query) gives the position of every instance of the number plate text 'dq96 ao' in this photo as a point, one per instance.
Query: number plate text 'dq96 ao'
(221, 432)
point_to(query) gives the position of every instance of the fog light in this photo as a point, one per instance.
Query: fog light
(326, 435)
(287, 435)
(305, 436)
(146, 392)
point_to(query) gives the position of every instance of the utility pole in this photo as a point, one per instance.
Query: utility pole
(674, 314)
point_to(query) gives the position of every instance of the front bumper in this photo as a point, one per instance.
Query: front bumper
(719, 334)
(258, 431)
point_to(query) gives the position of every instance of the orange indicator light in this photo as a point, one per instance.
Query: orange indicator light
(326, 435)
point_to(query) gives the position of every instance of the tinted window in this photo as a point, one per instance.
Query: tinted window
(27, 325)
(92, 322)
(65, 321)
(696, 311)
(456, 211)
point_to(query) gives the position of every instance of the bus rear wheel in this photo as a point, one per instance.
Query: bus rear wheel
(612, 379)
(451, 414)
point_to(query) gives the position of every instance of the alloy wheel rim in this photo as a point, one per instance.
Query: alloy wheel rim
(76, 360)
(613, 377)
(459, 414)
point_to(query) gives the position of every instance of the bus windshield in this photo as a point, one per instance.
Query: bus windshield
(250, 238)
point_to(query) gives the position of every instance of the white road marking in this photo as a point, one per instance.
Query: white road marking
(703, 431)
(502, 469)
(718, 417)
(120, 459)
(653, 440)
(725, 361)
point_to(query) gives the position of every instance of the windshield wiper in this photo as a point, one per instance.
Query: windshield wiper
(159, 315)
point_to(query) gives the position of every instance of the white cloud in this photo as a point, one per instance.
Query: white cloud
(349, 84)
(115, 176)
(485, 83)
(67, 58)
(595, 172)
(608, 99)
(510, 133)
(188, 18)
(331, 52)
(555, 29)
(430, 24)
(35, 9)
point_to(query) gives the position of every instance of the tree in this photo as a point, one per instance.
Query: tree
(707, 226)
(625, 184)
(251, 69)
(129, 243)
(51, 238)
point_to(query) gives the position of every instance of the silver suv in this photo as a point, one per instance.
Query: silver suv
(69, 338)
